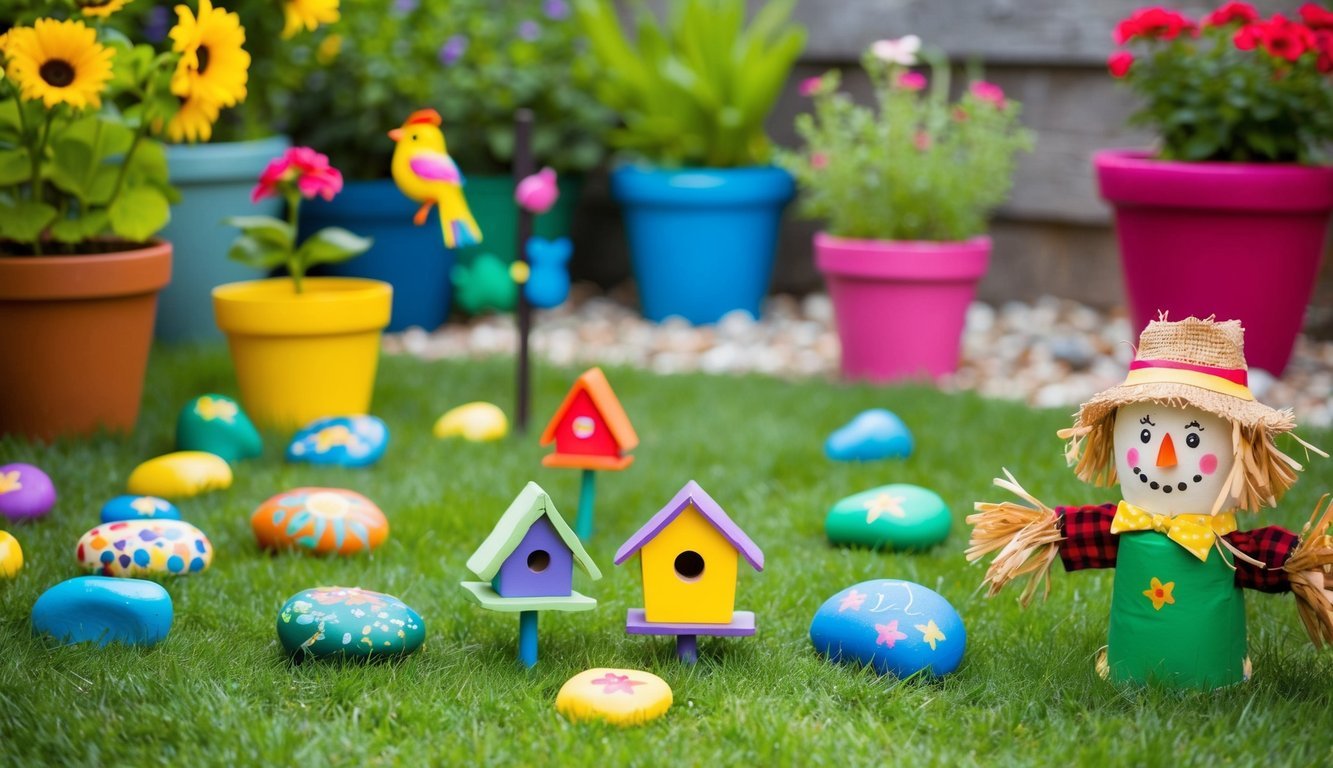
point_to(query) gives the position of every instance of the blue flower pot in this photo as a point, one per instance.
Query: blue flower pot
(215, 182)
(702, 239)
(410, 258)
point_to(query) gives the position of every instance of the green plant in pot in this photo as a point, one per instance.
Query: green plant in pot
(322, 331)
(1228, 214)
(475, 62)
(905, 187)
(83, 191)
(702, 205)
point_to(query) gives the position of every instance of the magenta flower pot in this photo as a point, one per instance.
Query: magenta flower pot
(900, 305)
(1239, 241)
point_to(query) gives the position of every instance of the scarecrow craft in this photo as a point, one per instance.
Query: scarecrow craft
(1191, 448)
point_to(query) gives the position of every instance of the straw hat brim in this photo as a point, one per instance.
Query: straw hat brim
(1249, 413)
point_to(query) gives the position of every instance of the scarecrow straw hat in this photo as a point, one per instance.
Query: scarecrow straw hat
(1199, 363)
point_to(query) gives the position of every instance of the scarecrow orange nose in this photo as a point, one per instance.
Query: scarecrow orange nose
(1166, 455)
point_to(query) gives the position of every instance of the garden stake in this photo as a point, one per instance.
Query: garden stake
(523, 167)
(587, 494)
(527, 638)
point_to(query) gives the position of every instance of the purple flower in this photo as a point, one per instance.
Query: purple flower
(556, 10)
(405, 6)
(156, 25)
(529, 30)
(453, 49)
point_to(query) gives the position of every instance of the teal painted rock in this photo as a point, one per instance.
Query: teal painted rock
(344, 441)
(898, 627)
(897, 516)
(216, 424)
(130, 507)
(348, 621)
(874, 434)
(102, 610)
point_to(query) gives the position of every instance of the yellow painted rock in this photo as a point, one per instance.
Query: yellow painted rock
(477, 422)
(180, 475)
(620, 696)
(11, 556)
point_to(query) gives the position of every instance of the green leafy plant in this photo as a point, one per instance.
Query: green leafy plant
(918, 165)
(694, 91)
(1234, 87)
(268, 243)
(473, 61)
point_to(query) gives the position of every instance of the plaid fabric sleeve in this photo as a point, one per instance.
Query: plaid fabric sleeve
(1272, 545)
(1088, 541)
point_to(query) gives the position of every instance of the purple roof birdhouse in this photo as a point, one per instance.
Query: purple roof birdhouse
(688, 556)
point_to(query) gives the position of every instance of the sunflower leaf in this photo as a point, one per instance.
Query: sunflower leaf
(85, 227)
(24, 220)
(139, 212)
(15, 167)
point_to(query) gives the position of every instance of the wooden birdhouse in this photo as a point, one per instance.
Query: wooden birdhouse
(590, 429)
(688, 554)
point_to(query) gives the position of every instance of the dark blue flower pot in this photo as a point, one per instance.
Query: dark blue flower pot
(702, 240)
(410, 258)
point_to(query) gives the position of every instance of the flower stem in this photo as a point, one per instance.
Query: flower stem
(125, 164)
(37, 170)
(294, 265)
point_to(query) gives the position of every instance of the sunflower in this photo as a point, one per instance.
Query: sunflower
(213, 64)
(59, 62)
(194, 121)
(101, 8)
(308, 15)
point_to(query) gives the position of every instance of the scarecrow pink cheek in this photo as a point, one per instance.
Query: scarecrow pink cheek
(1208, 464)
(1132, 457)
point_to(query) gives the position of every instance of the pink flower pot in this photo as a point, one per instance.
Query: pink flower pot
(900, 305)
(1236, 240)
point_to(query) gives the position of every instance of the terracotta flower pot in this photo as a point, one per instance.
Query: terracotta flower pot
(900, 305)
(1241, 241)
(77, 332)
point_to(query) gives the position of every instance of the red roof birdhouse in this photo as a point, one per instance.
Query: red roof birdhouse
(590, 429)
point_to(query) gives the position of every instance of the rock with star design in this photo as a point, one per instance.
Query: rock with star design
(898, 627)
(345, 441)
(216, 424)
(619, 696)
(130, 507)
(894, 517)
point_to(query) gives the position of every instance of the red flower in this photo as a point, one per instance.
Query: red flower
(1119, 63)
(1151, 23)
(307, 169)
(1248, 37)
(1231, 13)
(1287, 39)
(1323, 43)
(1316, 17)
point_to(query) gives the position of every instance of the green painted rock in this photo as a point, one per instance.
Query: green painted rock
(348, 621)
(897, 516)
(216, 424)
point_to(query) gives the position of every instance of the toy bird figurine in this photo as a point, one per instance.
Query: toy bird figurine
(424, 172)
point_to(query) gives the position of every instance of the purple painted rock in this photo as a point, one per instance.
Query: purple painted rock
(25, 492)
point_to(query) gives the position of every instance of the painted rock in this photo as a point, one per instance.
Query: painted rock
(180, 475)
(620, 696)
(322, 520)
(477, 422)
(345, 441)
(135, 547)
(11, 556)
(897, 516)
(216, 424)
(100, 610)
(898, 627)
(348, 621)
(25, 492)
(873, 434)
(131, 507)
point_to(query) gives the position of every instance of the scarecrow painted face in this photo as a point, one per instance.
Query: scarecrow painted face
(1171, 461)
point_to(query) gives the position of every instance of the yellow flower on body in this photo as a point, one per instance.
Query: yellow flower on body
(328, 437)
(210, 409)
(100, 8)
(1159, 593)
(9, 481)
(58, 62)
(307, 15)
(213, 63)
(930, 633)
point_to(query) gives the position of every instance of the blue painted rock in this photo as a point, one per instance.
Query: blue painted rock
(25, 492)
(216, 424)
(348, 621)
(897, 516)
(180, 475)
(321, 520)
(100, 610)
(872, 435)
(134, 547)
(898, 627)
(131, 507)
(345, 441)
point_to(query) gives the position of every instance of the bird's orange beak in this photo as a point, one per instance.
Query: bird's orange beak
(396, 134)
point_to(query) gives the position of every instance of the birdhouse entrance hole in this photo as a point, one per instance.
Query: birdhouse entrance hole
(689, 565)
(538, 560)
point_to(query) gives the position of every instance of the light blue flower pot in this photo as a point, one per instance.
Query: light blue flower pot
(702, 240)
(215, 182)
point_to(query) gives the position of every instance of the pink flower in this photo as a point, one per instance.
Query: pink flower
(911, 81)
(818, 161)
(309, 171)
(988, 92)
(1231, 13)
(811, 85)
(921, 141)
(1119, 63)
(538, 192)
(901, 51)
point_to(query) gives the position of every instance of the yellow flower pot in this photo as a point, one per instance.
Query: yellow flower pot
(300, 357)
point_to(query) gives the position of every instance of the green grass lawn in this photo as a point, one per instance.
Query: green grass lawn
(220, 691)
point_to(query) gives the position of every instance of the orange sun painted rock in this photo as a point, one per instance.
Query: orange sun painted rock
(321, 520)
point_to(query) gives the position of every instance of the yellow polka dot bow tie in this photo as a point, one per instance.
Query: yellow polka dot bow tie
(1196, 533)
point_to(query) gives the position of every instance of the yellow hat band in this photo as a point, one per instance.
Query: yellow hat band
(1192, 378)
